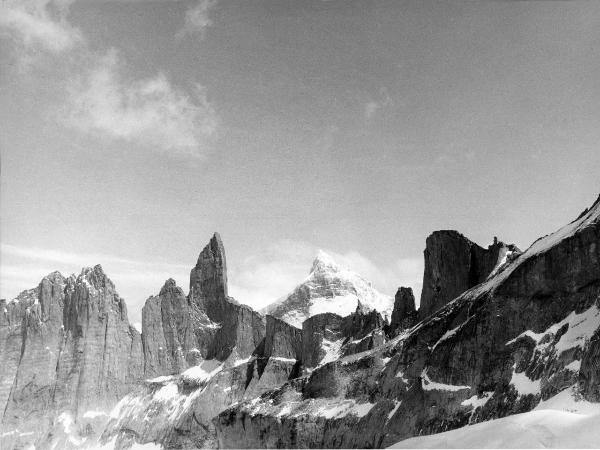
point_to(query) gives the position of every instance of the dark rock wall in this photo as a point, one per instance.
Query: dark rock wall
(208, 279)
(453, 264)
(317, 328)
(405, 313)
(282, 340)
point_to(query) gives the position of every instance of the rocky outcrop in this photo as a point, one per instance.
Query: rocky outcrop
(497, 349)
(329, 288)
(405, 313)
(176, 333)
(322, 338)
(454, 264)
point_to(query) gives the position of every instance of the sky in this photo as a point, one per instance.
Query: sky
(132, 130)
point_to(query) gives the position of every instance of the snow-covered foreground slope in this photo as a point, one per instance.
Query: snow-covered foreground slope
(329, 288)
(559, 422)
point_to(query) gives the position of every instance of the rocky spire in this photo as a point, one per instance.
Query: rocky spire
(208, 279)
(404, 314)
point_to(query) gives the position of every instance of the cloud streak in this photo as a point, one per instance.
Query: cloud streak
(151, 112)
(102, 101)
(39, 23)
(197, 17)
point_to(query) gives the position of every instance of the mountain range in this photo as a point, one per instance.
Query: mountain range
(499, 332)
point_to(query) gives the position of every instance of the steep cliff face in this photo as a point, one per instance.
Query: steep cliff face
(77, 354)
(499, 348)
(282, 340)
(322, 339)
(12, 315)
(176, 332)
(329, 288)
(32, 349)
(454, 264)
(101, 355)
(208, 279)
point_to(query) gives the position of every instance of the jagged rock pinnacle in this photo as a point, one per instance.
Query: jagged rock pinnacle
(208, 279)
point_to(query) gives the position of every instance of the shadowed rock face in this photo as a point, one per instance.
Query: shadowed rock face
(454, 264)
(282, 340)
(317, 330)
(208, 279)
(405, 314)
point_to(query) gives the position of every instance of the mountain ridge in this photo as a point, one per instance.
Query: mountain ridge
(207, 371)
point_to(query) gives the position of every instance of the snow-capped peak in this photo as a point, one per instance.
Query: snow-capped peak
(329, 288)
(323, 262)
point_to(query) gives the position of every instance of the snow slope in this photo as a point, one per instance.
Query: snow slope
(329, 288)
(560, 422)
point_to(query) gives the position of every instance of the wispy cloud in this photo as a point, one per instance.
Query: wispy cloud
(372, 106)
(101, 99)
(197, 17)
(151, 112)
(77, 259)
(39, 23)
